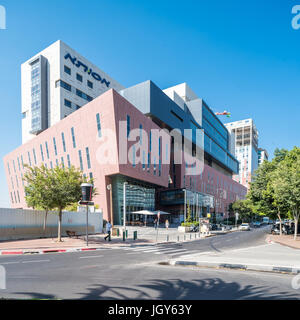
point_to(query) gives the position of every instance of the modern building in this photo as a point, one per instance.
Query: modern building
(130, 141)
(262, 156)
(56, 82)
(244, 140)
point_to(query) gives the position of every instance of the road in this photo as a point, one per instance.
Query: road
(134, 273)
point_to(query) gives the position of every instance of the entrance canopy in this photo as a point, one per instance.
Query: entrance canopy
(150, 213)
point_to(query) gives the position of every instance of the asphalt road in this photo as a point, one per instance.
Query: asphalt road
(132, 273)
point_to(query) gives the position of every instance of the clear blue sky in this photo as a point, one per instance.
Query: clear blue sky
(239, 56)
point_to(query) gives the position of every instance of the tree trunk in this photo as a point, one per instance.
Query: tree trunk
(280, 223)
(45, 220)
(296, 219)
(59, 226)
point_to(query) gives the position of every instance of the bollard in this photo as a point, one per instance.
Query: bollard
(118, 232)
(184, 237)
(190, 236)
(167, 238)
(134, 235)
(177, 238)
(124, 236)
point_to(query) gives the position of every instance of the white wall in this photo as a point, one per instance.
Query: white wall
(28, 224)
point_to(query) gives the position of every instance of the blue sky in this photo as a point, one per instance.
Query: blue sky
(239, 56)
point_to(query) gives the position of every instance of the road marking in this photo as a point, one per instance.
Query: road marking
(10, 262)
(35, 261)
(88, 257)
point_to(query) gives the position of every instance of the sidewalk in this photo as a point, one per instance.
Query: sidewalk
(49, 245)
(268, 258)
(286, 240)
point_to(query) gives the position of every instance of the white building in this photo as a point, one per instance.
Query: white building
(245, 137)
(56, 82)
(262, 155)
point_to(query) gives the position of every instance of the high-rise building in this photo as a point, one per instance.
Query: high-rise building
(245, 137)
(262, 156)
(112, 139)
(56, 82)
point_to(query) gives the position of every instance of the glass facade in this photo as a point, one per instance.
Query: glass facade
(139, 196)
(36, 120)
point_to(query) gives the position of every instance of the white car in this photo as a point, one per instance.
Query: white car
(245, 227)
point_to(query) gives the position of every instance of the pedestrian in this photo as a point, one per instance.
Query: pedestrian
(108, 231)
(167, 224)
(155, 223)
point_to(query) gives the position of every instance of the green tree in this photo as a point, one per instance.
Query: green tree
(244, 209)
(55, 188)
(286, 185)
(37, 190)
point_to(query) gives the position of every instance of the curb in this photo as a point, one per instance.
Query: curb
(262, 268)
(45, 251)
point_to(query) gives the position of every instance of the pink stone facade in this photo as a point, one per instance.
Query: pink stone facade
(111, 108)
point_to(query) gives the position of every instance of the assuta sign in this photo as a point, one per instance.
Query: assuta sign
(77, 63)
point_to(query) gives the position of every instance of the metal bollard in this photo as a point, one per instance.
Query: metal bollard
(134, 235)
(190, 236)
(167, 238)
(178, 238)
(124, 236)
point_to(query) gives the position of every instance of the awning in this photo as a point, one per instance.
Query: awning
(149, 213)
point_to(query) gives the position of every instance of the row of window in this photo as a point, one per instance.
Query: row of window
(78, 77)
(68, 87)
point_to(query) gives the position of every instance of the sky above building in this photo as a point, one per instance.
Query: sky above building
(238, 56)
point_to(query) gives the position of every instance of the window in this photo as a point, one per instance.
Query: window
(88, 158)
(80, 160)
(55, 149)
(68, 103)
(14, 166)
(62, 162)
(8, 167)
(83, 95)
(133, 156)
(22, 162)
(91, 176)
(99, 125)
(57, 164)
(19, 164)
(144, 160)
(73, 138)
(51, 165)
(47, 150)
(77, 107)
(141, 134)
(67, 70)
(63, 141)
(90, 84)
(17, 181)
(69, 161)
(128, 125)
(79, 77)
(63, 84)
(42, 153)
(34, 156)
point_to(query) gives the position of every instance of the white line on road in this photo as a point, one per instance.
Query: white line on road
(35, 261)
(10, 262)
(88, 257)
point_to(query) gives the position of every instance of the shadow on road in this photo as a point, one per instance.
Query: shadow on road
(176, 289)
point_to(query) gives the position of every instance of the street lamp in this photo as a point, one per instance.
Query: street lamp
(86, 191)
(184, 205)
(124, 206)
(109, 187)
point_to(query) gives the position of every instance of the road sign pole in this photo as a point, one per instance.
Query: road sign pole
(87, 225)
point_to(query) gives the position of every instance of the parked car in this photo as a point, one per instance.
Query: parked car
(213, 227)
(256, 224)
(245, 227)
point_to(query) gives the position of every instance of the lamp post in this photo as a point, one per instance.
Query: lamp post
(124, 206)
(86, 190)
(109, 187)
(184, 205)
